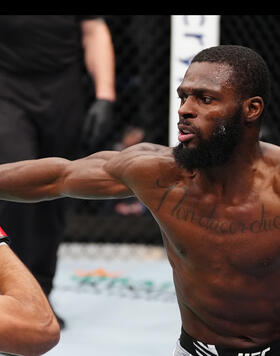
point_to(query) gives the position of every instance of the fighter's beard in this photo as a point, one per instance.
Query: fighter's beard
(213, 152)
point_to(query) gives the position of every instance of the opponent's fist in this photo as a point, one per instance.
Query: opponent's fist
(97, 123)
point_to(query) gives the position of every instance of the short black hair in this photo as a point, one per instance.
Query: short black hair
(251, 75)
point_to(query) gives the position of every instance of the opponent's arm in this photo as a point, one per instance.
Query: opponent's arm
(51, 178)
(27, 324)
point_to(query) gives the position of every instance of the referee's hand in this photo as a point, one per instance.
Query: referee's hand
(97, 123)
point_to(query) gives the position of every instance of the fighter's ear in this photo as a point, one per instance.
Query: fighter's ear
(253, 108)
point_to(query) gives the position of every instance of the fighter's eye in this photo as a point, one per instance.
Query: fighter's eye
(182, 99)
(206, 99)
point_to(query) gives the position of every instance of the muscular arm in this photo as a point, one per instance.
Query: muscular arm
(107, 174)
(28, 326)
(51, 178)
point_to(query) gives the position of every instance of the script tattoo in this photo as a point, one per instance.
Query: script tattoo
(164, 196)
(208, 222)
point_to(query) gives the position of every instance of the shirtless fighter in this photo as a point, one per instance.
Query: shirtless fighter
(215, 197)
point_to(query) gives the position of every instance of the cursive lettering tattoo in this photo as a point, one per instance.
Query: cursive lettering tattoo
(165, 194)
(263, 224)
(210, 223)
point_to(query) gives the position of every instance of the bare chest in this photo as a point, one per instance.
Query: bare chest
(199, 231)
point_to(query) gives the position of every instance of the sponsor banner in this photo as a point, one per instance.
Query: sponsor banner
(101, 281)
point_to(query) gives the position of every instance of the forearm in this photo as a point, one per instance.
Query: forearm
(99, 57)
(32, 180)
(28, 326)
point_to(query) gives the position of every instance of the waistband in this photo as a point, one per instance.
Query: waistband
(200, 348)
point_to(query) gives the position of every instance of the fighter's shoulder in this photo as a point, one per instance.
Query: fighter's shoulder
(271, 157)
(142, 157)
(144, 151)
(148, 147)
(271, 154)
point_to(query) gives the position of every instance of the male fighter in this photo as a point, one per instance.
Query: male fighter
(215, 197)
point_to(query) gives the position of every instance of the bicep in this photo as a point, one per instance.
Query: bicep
(90, 178)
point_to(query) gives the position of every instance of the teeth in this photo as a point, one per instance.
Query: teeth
(186, 131)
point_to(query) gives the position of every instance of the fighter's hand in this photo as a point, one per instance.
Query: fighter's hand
(97, 125)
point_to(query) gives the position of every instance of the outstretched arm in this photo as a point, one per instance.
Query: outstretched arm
(28, 326)
(51, 178)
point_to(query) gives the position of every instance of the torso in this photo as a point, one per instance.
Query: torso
(225, 256)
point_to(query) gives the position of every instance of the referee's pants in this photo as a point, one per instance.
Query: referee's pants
(39, 117)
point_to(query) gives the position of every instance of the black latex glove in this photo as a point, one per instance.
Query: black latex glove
(97, 124)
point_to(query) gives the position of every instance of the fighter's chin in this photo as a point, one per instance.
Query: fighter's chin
(181, 154)
(187, 145)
